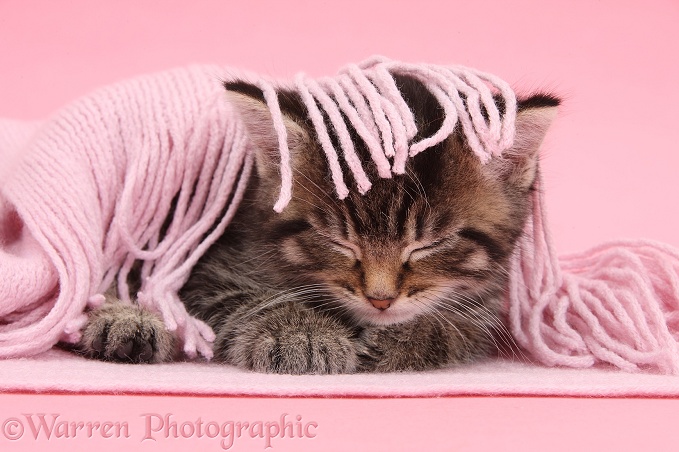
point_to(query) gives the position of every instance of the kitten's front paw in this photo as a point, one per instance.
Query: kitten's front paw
(289, 340)
(413, 346)
(125, 333)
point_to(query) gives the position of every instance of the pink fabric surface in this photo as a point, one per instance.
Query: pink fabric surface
(60, 371)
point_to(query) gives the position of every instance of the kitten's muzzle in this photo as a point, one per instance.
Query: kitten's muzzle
(381, 304)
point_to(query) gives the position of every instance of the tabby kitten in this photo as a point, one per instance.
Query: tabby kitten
(409, 276)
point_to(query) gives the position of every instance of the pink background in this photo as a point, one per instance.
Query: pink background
(459, 424)
(609, 162)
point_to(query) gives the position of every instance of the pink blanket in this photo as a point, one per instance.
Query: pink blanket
(59, 371)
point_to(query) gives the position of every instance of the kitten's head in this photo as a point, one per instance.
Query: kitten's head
(438, 236)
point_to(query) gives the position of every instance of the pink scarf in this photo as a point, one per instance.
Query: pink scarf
(85, 194)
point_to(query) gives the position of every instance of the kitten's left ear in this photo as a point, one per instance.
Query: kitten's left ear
(520, 162)
(248, 100)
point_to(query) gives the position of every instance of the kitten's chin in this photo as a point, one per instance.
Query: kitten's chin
(364, 314)
(370, 316)
(383, 319)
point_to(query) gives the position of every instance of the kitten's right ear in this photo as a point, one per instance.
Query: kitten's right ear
(519, 164)
(248, 101)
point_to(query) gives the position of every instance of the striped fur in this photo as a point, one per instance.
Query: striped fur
(289, 292)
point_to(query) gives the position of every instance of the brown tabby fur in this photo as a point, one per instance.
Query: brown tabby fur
(290, 292)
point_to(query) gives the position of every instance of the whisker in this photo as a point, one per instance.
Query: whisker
(283, 297)
(309, 203)
(420, 188)
(482, 318)
(475, 321)
(441, 318)
(324, 201)
(259, 256)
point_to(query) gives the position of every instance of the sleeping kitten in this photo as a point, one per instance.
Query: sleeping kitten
(409, 276)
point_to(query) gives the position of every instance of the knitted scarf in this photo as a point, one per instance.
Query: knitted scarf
(86, 194)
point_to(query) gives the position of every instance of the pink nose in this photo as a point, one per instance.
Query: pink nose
(381, 304)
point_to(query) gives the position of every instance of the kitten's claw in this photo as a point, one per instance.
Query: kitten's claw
(125, 333)
(124, 352)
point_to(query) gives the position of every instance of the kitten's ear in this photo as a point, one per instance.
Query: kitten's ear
(248, 101)
(533, 119)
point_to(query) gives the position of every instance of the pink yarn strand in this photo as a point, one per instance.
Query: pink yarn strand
(323, 137)
(370, 93)
(609, 307)
(271, 98)
(378, 157)
(342, 132)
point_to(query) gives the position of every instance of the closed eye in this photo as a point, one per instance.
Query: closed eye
(349, 249)
(419, 250)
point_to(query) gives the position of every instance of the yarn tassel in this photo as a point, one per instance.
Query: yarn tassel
(617, 303)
